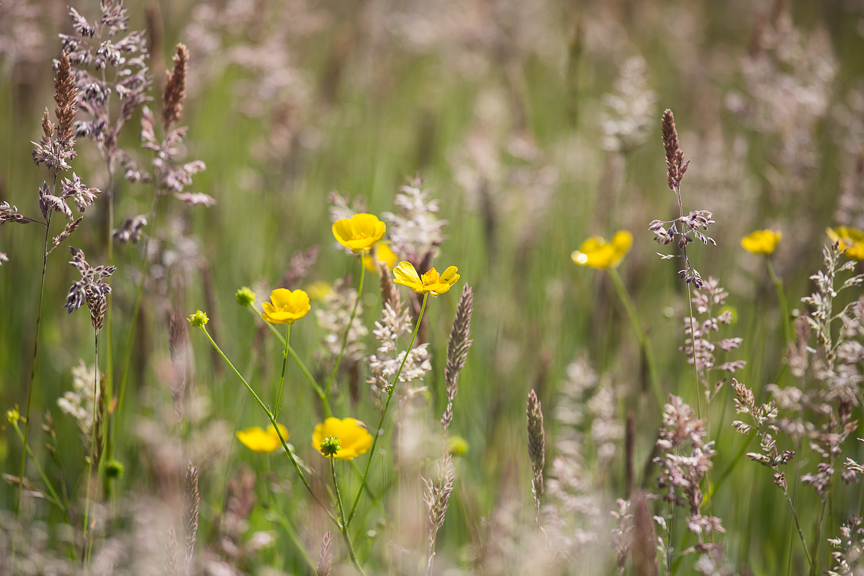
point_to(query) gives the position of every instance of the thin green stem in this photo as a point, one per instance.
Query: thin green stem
(282, 377)
(348, 328)
(300, 363)
(272, 421)
(285, 523)
(33, 366)
(55, 498)
(641, 335)
(781, 295)
(92, 447)
(343, 527)
(377, 433)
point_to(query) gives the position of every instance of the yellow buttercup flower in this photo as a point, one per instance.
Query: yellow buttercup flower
(596, 252)
(360, 232)
(353, 437)
(262, 441)
(762, 241)
(850, 239)
(319, 290)
(286, 307)
(431, 282)
(383, 253)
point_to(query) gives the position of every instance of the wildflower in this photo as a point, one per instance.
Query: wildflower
(457, 446)
(198, 319)
(383, 253)
(360, 232)
(13, 415)
(319, 290)
(352, 435)
(596, 252)
(330, 446)
(762, 241)
(851, 240)
(286, 307)
(431, 282)
(245, 296)
(262, 441)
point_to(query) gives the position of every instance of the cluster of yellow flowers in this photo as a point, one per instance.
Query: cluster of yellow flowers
(851, 240)
(347, 438)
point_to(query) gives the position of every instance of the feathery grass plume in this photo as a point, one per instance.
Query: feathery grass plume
(626, 121)
(383, 365)
(622, 533)
(848, 548)
(79, 402)
(175, 89)
(325, 556)
(685, 459)
(457, 351)
(676, 167)
(536, 446)
(67, 231)
(333, 320)
(684, 228)
(192, 500)
(172, 568)
(57, 145)
(436, 496)
(65, 97)
(91, 289)
(698, 347)
(644, 545)
(301, 262)
(416, 232)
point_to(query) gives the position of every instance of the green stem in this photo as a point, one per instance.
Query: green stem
(285, 523)
(377, 433)
(784, 307)
(92, 448)
(348, 328)
(56, 499)
(342, 526)
(282, 377)
(33, 366)
(300, 363)
(272, 421)
(641, 335)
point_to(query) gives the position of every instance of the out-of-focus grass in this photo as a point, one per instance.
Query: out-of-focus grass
(528, 309)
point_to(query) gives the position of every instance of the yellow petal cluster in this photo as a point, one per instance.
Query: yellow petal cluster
(762, 241)
(262, 441)
(354, 437)
(285, 306)
(596, 252)
(360, 232)
(431, 282)
(383, 253)
(850, 239)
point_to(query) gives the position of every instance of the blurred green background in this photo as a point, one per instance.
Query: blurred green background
(504, 109)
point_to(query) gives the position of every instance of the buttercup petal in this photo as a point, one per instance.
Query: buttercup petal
(281, 297)
(406, 275)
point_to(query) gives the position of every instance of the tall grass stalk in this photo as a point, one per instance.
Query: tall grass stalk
(33, 364)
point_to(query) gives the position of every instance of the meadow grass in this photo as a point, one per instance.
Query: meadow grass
(374, 107)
